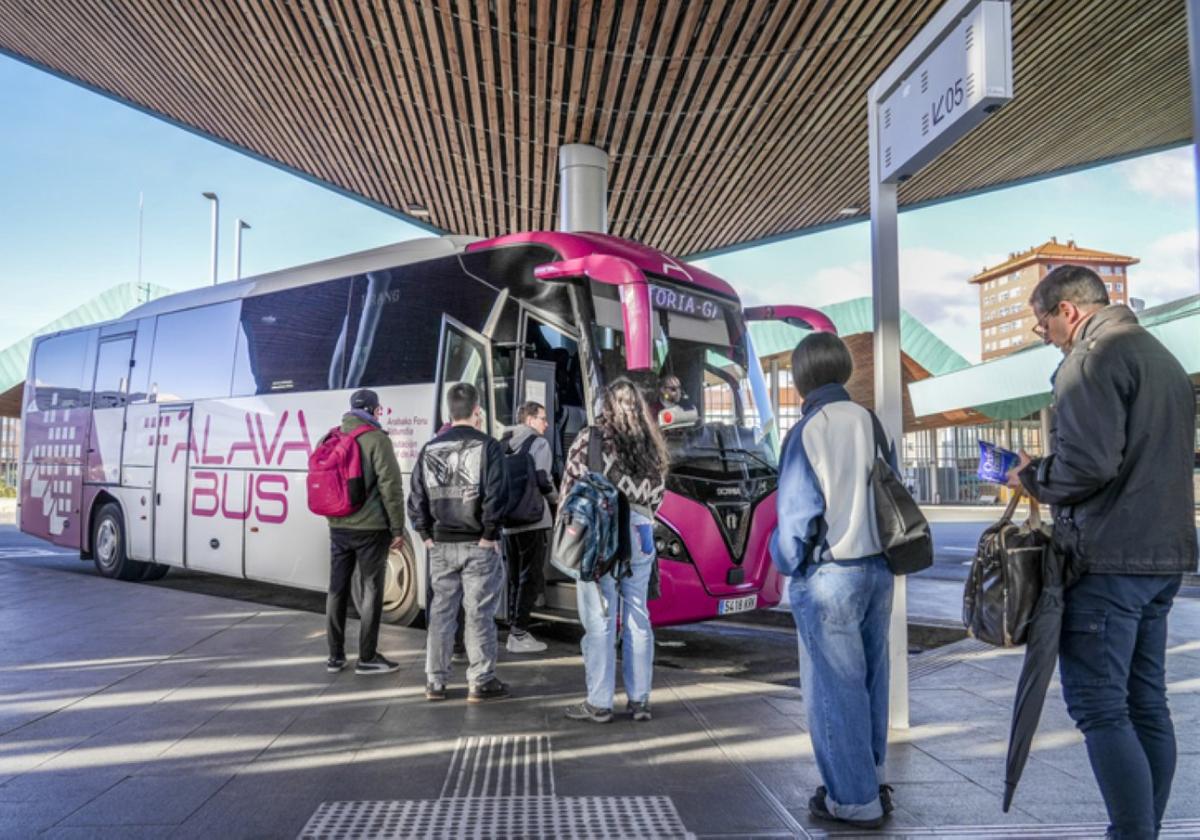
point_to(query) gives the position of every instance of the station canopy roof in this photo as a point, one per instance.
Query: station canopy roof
(726, 122)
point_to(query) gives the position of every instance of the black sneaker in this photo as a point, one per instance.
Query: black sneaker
(335, 663)
(459, 656)
(435, 691)
(640, 711)
(493, 689)
(819, 809)
(586, 711)
(377, 664)
(885, 799)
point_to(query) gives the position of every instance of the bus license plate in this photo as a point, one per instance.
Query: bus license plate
(737, 605)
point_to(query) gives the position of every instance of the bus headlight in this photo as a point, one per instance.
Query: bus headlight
(669, 545)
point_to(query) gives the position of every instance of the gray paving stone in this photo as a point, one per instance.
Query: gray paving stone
(100, 832)
(148, 800)
(26, 819)
(199, 717)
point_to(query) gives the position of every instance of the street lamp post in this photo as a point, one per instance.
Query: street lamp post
(216, 213)
(237, 248)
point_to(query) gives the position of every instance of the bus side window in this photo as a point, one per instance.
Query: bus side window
(139, 372)
(396, 320)
(292, 340)
(62, 370)
(193, 352)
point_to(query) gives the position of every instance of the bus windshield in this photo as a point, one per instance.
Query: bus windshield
(706, 385)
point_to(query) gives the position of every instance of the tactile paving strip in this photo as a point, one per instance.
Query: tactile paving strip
(576, 817)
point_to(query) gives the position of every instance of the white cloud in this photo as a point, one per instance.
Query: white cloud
(933, 289)
(1169, 269)
(1169, 176)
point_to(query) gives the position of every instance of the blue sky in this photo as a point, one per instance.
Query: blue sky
(73, 163)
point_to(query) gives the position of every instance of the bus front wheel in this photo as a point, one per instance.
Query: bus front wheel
(108, 546)
(400, 604)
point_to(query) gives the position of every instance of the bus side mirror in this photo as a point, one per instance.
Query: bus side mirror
(804, 317)
(634, 293)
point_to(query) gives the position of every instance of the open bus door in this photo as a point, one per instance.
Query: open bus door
(464, 355)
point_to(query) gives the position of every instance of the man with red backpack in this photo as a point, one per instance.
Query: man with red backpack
(363, 536)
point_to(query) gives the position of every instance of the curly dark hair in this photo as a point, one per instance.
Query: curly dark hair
(633, 436)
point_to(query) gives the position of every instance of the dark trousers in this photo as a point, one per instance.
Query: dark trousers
(525, 553)
(1112, 661)
(368, 550)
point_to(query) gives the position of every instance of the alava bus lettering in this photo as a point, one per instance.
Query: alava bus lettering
(264, 445)
(266, 496)
(257, 448)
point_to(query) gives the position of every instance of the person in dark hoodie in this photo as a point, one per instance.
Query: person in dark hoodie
(363, 539)
(1118, 478)
(526, 546)
(457, 504)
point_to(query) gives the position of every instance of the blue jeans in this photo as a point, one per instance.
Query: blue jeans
(598, 608)
(843, 611)
(465, 574)
(1112, 660)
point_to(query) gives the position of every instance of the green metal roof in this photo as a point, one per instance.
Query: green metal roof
(14, 360)
(1016, 386)
(856, 316)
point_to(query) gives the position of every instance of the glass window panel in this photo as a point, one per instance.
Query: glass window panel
(112, 373)
(396, 319)
(193, 352)
(59, 371)
(293, 340)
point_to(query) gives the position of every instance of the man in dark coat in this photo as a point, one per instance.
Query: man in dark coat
(1119, 482)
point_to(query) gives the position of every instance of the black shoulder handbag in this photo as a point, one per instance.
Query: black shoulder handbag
(903, 529)
(1005, 580)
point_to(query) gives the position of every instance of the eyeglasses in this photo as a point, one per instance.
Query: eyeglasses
(1039, 329)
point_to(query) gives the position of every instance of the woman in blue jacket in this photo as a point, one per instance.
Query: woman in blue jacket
(840, 586)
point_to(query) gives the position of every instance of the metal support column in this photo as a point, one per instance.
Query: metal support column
(885, 290)
(934, 494)
(1193, 22)
(773, 368)
(582, 188)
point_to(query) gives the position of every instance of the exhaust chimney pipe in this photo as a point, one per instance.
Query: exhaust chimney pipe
(582, 188)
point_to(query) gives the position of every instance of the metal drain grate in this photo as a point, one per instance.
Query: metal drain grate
(590, 817)
(500, 765)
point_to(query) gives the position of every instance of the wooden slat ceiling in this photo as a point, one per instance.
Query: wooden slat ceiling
(726, 121)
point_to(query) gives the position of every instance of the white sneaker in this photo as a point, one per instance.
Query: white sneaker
(524, 643)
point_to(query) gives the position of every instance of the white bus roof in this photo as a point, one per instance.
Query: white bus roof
(375, 259)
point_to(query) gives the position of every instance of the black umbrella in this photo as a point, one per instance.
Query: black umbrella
(1041, 654)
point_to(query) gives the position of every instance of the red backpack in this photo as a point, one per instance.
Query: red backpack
(335, 476)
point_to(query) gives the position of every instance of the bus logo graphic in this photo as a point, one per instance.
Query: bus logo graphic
(50, 479)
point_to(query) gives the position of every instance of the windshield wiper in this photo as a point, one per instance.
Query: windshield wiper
(737, 449)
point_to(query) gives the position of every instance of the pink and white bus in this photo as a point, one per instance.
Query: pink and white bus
(179, 434)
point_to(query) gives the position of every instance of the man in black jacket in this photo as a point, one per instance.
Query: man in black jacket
(456, 506)
(1119, 482)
